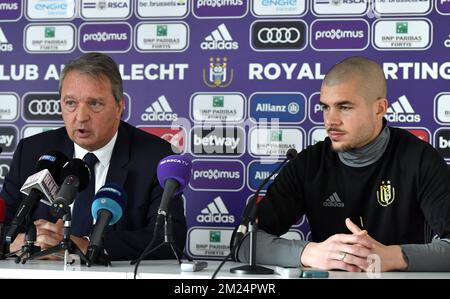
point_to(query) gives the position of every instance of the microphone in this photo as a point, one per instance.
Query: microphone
(76, 176)
(107, 208)
(1, 149)
(42, 185)
(251, 210)
(174, 173)
(2, 219)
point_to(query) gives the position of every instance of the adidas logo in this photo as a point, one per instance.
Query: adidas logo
(5, 46)
(402, 111)
(219, 39)
(215, 212)
(159, 110)
(333, 201)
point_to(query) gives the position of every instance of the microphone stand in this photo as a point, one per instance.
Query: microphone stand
(252, 268)
(66, 244)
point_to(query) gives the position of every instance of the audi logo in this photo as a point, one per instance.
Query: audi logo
(279, 35)
(44, 107)
(4, 169)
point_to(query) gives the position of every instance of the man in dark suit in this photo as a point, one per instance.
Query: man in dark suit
(92, 103)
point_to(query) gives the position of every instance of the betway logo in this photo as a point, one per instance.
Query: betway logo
(214, 140)
(402, 111)
(219, 39)
(159, 110)
(215, 212)
(5, 46)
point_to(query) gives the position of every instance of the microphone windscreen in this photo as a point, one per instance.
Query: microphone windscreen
(175, 167)
(110, 197)
(291, 154)
(2, 211)
(78, 168)
(52, 161)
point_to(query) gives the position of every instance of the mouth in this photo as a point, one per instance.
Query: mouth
(335, 135)
(82, 133)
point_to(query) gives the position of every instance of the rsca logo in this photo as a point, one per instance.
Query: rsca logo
(159, 110)
(5, 46)
(215, 212)
(219, 39)
(402, 111)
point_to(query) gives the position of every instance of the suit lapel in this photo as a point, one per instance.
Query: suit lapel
(118, 167)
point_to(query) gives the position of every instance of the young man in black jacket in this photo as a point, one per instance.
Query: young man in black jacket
(368, 190)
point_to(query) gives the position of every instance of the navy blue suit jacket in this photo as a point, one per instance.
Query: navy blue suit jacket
(133, 165)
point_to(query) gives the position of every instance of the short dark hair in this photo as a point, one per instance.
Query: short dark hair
(96, 65)
(368, 73)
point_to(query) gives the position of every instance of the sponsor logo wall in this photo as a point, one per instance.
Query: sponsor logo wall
(233, 84)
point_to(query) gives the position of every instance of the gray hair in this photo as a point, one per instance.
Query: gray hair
(96, 65)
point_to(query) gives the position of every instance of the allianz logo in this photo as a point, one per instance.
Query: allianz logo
(262, 175)
(219, 39)
(159, 110)
(219, 3)
(215, 212)
(216, 174)
(292, 108)
(104, 36)
(402, 111)
(339, 34)
(6, 140)
(5, 46)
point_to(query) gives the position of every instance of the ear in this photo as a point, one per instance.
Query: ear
(381, 105)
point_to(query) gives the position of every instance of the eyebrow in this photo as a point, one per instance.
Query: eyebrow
(338, 103)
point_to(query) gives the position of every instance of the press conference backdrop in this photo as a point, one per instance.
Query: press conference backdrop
(231, 83)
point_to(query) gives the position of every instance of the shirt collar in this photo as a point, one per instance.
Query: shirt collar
(103, 154)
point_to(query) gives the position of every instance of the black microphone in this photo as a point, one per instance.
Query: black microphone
(109, 203)
(1, 149)
(76, 176)
(251, 210)
(40, 186)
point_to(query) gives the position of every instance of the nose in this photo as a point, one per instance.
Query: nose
(83, 113)
(331, 117)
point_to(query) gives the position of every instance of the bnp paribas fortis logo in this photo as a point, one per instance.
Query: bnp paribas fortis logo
(161, 30)
(214, 236)
(401, 27)
(218, 101)
(276, 136)
(385, 194)
(218, 74)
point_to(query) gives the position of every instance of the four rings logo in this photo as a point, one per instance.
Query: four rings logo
(42, 107)
(275, 35)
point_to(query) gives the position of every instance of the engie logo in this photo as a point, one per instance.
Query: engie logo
(159, 110)
(442, 142)
(9, 136)
(219, 39)
(217, 140)
(5, 46)
(215, 212)
(105, 37)
(258, 172)
(402, 111)
(217, 175)
(50, 9)
(4, 169)
(42, 107)
(278, 35)
(279, 7)
(283, 108)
